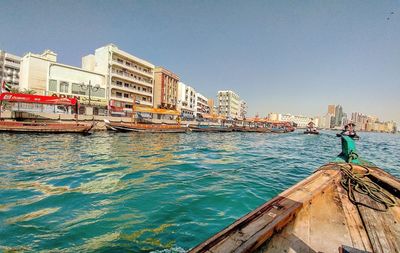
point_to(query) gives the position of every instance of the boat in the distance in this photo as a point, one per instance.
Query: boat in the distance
(349, 131)
(29, 101)
(348, 205)
(210, 128)
(142, 127)
(311, 129)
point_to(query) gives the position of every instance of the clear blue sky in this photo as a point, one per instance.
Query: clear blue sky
(280, 56)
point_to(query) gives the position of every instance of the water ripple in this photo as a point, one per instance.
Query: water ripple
(152, 193)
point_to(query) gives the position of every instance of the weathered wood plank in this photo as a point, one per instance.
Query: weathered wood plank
(382, 227)
(354, 223)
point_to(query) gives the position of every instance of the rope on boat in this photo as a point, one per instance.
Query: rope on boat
(359, 182)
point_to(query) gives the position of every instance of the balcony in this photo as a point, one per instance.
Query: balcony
(11, 65)
(129, 78)
(132, 68)
(132, 90)
(129, 100)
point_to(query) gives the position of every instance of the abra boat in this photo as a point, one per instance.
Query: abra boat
(252, 129)
(348, 205)
(210, 128)
(311, 129)
(140, 127)
(31, 101)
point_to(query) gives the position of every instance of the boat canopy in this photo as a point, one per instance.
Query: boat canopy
(155, 110)
(211, 116)
(37, 99)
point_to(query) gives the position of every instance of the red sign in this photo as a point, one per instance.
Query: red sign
(38, 99)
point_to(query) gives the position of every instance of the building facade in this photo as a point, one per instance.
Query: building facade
(165, 89)
(42, 74)
(128, 78)
(243, 109)
(9, 68)
(331, 109)
(202, 106)
(187, 101)
(228, 104)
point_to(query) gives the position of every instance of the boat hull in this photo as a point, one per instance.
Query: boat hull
(211, 129)
(148, 128)
(36, 127)
(311, 132)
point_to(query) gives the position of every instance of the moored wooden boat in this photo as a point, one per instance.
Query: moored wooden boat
(319, 214)
(252, 129)
(150, 128)
(311, 132)
(210, 129)
(44, 127)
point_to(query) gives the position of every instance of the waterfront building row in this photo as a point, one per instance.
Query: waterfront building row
(300, 120)
(111, 80)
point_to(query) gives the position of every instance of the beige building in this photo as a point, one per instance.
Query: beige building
(9, 68)
(165, 89)
(42, 74)
(229, 104)
(211, 105)
(202, 104)
(128, 77)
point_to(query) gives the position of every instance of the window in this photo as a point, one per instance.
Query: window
(52, 85)
(118, 94)
(126, 95)
(64, 87)
(144, 89)
(143, 98)
(128, 106)
(119, 83)
(120, 60)
(127, 85)
(76, 89)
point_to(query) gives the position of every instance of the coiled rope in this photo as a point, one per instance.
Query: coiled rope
(359, 182)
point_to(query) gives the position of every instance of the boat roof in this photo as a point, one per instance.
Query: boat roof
(37, 99)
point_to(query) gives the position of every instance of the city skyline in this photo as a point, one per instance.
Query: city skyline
(286, 57)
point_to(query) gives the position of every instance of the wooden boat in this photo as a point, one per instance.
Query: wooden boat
(252, 129)
(41, 127)
(210, 129)
(44, 127)
(322, 214)
(278, 130)
(308, 131)
(139, 127)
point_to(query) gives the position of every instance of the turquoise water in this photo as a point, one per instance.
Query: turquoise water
(124, 192)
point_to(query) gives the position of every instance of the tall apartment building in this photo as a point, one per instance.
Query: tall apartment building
(165, 89)
(128, 77)
(202, 104)
(243, 109)
(186, 101)
(9, 68)
(228, 104)
(42, 74)
(331, 109)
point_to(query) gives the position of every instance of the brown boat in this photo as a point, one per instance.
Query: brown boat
(210, 129)
(41, 127)
(44, 127)
(141, 127)
(342, 207)
(252, 129)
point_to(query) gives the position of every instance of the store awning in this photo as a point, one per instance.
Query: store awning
(37, 99)
(155, 110)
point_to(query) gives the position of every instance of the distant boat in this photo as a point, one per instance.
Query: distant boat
(149, 128)
(210, 128)
(311, 129)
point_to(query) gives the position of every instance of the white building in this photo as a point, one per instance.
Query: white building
(42, 74)
(228, 104)
(300, 120)
(187, 101)
(202, 106)
(9, 68)
(127, 77)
